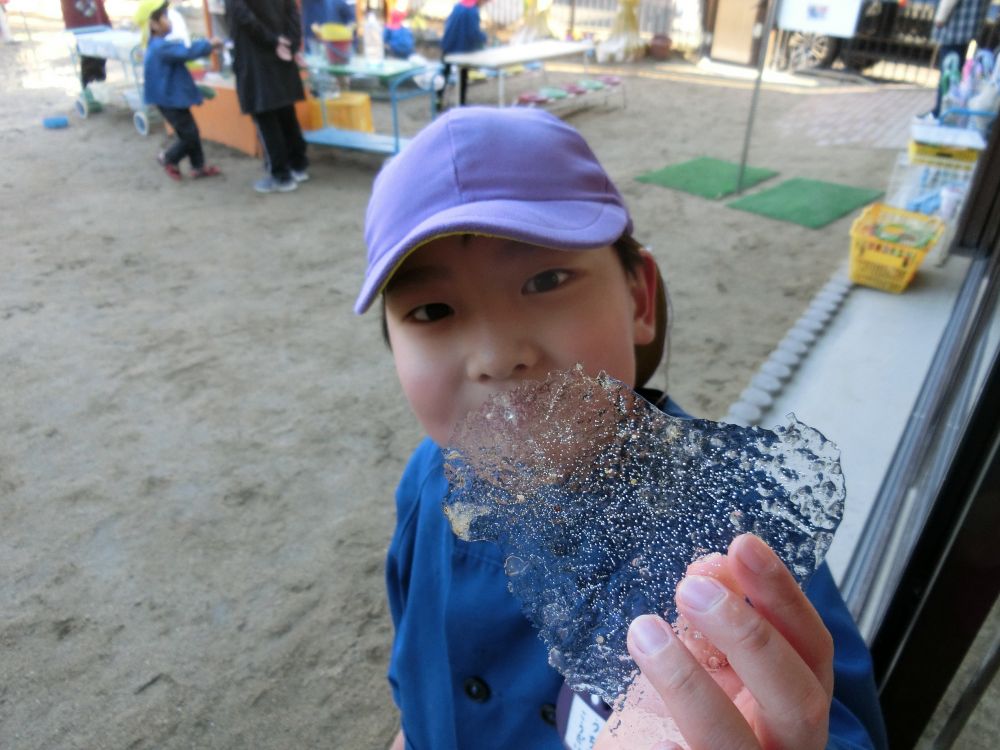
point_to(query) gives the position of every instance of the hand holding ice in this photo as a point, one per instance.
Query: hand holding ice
(600, 501)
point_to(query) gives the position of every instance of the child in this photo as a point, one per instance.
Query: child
(502, 251)
(318, 12)
(168, 84)
(956, 23)
(461, 34)
(398, 39)
(81, 14)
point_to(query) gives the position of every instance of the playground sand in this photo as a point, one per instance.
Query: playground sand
(201, 440)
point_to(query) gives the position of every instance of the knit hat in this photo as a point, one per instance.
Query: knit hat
(518, 173)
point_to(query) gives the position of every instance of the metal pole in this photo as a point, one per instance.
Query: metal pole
(772, 12)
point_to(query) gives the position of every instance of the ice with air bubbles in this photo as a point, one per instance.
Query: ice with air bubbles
(599, 502)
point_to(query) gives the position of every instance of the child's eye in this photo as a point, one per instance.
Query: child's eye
(546, 281)
(430, 313)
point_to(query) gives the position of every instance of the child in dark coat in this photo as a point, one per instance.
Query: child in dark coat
(462, 33)
(168, 85)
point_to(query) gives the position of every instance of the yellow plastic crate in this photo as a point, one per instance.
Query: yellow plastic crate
(351, 110)
(888, 245)
(927, 153)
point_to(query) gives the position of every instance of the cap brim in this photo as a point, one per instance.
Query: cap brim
(563, 225)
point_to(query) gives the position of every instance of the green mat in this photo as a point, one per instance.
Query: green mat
(709, 178)
(811, 203)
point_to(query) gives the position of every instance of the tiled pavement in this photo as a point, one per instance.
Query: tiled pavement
(833, 110)
(878, 118)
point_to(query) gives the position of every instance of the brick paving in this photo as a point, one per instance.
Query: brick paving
(879, 118)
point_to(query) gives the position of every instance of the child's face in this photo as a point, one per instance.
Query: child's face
(470, 316)
(160, 26)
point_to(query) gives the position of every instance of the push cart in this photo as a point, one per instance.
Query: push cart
(112, 44)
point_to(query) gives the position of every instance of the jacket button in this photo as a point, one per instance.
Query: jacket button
(477, 690)
(549, 714)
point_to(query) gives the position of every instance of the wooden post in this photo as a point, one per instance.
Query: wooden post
(209, 32)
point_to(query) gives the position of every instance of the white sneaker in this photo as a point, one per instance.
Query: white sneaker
(302, 176)
(269, 184)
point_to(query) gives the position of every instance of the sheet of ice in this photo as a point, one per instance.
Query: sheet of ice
(600, 501)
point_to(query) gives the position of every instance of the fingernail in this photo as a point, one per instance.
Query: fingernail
(757, 555)
(649, 633)
(700, 593)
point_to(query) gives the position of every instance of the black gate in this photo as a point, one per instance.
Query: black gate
(892, 41)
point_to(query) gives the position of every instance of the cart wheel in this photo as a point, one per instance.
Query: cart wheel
(141, 121)
(82, 106)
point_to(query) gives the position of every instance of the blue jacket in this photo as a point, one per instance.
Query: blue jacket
(167, 81)
(399, 42)
(461, 31)
(458, 630)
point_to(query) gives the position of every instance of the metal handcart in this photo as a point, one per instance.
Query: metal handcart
(112, 44)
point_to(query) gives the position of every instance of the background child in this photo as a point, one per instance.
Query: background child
(502, 251)
(461, 34)
(168, 84)
(80, 14)
(956, 23)
(318, 12)
(398, 39)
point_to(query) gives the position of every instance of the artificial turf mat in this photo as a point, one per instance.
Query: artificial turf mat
(811, 203)
(707, 177)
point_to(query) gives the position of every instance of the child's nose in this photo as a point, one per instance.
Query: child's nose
(501, 354)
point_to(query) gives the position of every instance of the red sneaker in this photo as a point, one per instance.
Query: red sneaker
(208, 171)
(172, 171)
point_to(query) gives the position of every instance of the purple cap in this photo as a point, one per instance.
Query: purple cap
(518, 173)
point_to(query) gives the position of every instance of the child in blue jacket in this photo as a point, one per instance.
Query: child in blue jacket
(501, 251)
(398, 39)
(462, 33)
(168, 85)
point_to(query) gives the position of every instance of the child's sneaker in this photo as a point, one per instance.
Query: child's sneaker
(209, 170)
(298, 176)
(270, 184)
(173, 172)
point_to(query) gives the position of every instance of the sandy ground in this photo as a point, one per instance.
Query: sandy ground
(200, 440)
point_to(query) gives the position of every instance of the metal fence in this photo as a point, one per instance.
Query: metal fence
(679, 19)
(892, 41)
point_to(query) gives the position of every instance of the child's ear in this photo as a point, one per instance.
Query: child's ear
(644, 283)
